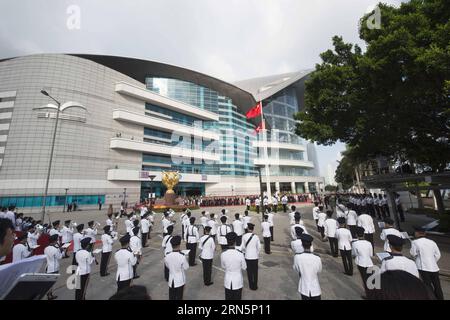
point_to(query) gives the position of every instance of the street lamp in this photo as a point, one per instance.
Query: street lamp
(45, 93)
(65, 200)
(152, 176)
(124, 197)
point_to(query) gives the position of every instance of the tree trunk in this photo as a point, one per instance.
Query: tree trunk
(419, 199)
(439, 201)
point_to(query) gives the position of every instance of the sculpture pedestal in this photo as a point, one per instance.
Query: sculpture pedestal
(169, 199)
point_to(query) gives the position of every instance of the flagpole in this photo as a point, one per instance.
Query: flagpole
(266, 157)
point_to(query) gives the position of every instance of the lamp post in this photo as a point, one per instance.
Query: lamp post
(261, 210)
(45, 93)
(124, 197)
(152, 176)
(65, 200)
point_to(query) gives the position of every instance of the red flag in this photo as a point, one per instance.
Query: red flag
(255, 111)
(259, 127)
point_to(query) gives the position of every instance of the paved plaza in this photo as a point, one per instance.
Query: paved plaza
(277, 279)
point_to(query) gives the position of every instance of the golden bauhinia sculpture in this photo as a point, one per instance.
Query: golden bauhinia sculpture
(170, 179)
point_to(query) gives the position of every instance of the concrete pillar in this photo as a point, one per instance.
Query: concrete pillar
(277, 186)
(306, 187)
(317, 187)
(293, 187)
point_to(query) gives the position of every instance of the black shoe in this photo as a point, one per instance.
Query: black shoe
(208, 284)
(137, 277)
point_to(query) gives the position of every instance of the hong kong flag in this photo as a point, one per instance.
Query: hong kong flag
(255, 111)
(259, 127)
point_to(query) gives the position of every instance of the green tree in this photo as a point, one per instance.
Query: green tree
(391, 100)
(330, 188)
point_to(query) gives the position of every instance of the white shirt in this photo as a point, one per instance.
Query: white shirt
(53, 232)
(345, 238)
(77, 237)
(426, 253)
(399, 262)
(212, 223)
(366, 222)
(177, 263)
(362, 251)
(284, 200)
(191, 234)
(129, 226)
(265, 227)
(385, 233)
(66, 234)
(125, 260)
(186, 223)
(257, 202)
(233, 262)
(247, 202)
(167, 246)
(352, 218)
(136, 245)
(251, 250)
(107, 242)
(91, 233)
(11, 216)
(207, 245)
(84, 260)
(321, 217)
(292, 217)
(32, 239)
(223, 230)
(315, 213)
(331, 226)
(53, 256)
(308, 265)
(110, 223)
(204, 221)
(246, 220)
(20, 252)
(145, 225)
(270, 219)
(165, 224)
(238, 227)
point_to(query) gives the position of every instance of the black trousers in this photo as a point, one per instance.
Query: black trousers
(353, 231)
(284, 208)
(347, 261)
(400, 212)
(182, 231)
(267, 245)
(233, 294)
(104, 263)
(310, 298)
(252, 273)
(275, 208)
(248, 208)
(176, 293)
(431, 279)
(74, 261)
(135, 270)
(223, 247)
(333, 246)
(144, 239)
(364, 276)
(369, 237)
(207, 270)
(317, 224)
(238, 240)
(193, 249)
(123, 284)
(81, 293)
(257, 209)
(271, 233)
(386, 210)
(321, 230)
(166, 273)
(378, 211)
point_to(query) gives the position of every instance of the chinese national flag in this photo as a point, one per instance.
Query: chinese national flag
(255, 111)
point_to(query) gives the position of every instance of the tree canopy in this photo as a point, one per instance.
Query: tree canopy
(391, 100)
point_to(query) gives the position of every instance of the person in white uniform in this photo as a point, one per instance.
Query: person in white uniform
(207, 245)
(136, 248)
(250, 247)
(191, 236)
(330, 227)
(265, 228)
(292, 215)
(232, 260)
(167, 247)
(165, 223)
(344, 239)
(427, 254)
(177, 264)
(66, 235)
(21, 250)
(321, 217)
(238, 228)
(204, 220)
(53, 253)
(223, 230)
(362, 251)
(91, 231)
(125, 260)
(315, 213)
(107, 243)
(366, 221)
(77, 237)
(84, 260)
(396, 261)
(387, 230)
(145, 229)
(352, 219)
(308, 266)
(297, 224)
